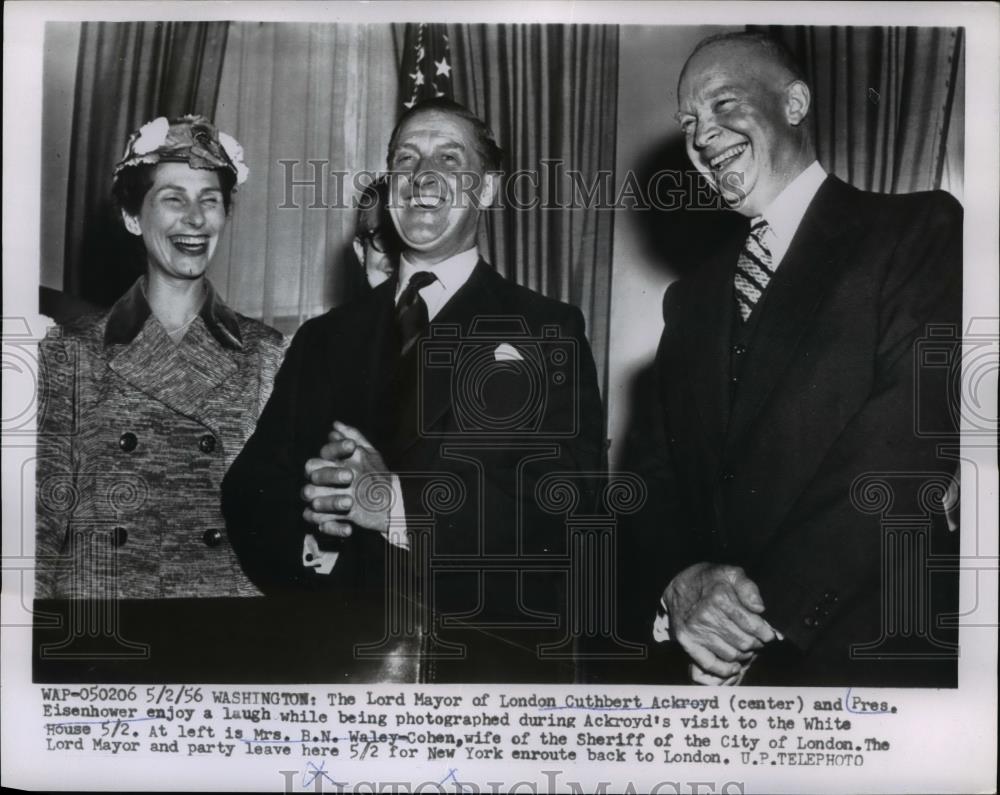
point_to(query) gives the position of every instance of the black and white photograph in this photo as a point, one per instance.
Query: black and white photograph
(464, 396)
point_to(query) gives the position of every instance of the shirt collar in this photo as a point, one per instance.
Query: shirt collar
(784, 213)
(130, 313)
(452, 273)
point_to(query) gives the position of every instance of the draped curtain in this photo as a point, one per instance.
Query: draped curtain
(888, 103)
(127, 73)
(313, 106)
(310, 104)
(549, 92)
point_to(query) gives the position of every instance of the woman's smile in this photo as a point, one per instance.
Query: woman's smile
(180, 221)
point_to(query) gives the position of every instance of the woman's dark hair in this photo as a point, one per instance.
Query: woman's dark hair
(133, 183)
(373, 219)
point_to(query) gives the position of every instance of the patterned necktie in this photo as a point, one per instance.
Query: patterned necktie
(411, 311)
(754, 270)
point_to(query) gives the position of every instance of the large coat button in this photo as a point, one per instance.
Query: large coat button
(212, 537)
(118, 537)
(127, 442)
(207, 443)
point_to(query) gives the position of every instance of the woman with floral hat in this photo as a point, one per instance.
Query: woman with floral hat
(143, 408)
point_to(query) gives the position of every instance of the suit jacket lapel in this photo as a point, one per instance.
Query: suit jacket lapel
(429, 394)
(379, 360)
(821, 243)
(708, 340)
(179, 376)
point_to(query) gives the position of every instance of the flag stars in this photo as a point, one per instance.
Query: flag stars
(426, 71)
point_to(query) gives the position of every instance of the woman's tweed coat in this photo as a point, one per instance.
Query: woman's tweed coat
(135, 434)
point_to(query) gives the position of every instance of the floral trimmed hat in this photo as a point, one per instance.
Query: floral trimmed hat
(190, 139)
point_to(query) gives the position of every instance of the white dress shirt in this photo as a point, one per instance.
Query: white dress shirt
(451, 274)
(784, 214)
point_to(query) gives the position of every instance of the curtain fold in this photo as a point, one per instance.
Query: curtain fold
(127, 73)
(549, 92)
(311, 104)
(887, 103)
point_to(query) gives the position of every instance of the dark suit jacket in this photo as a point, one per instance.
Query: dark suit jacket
(784, 473)
(501, 392)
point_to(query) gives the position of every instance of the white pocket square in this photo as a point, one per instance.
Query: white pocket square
(506, 353)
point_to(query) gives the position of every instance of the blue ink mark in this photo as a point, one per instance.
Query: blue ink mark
(847, 706)
(280, 742)
(459, 786)
(319, 773)
(600, 709)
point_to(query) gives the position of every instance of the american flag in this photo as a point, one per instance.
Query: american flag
(426, 68)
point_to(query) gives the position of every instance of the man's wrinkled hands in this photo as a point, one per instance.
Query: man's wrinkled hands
(715, 614)
(348, 460)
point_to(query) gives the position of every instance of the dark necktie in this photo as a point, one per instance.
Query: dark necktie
(411, 311)
(754, 270)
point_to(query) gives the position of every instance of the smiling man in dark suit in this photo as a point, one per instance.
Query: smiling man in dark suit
(787, 379)
(396, 464)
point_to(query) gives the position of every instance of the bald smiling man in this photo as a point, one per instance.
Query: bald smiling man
(788, 377)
